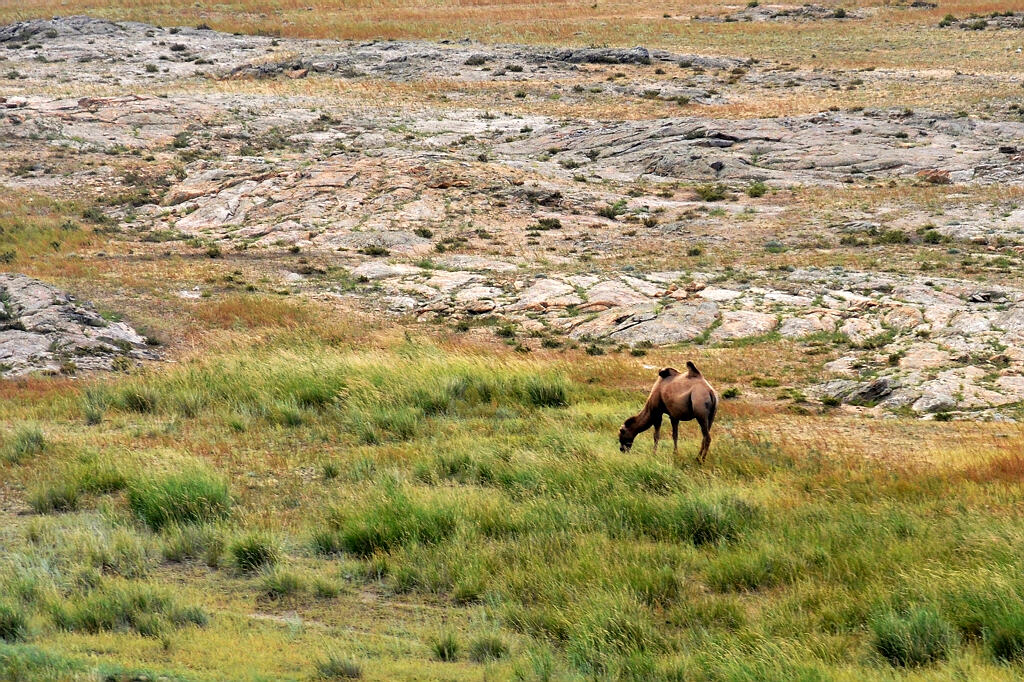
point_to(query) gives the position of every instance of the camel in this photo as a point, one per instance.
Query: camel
(682, 397)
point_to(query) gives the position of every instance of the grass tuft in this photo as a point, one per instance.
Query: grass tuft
(13, 624)
(28, 440)
(916, 638)
(254, 551)
(336, 667)
(189, 497)
(487, 648)
(445, 647)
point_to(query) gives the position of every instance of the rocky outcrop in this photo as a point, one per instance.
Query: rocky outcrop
(43, 329)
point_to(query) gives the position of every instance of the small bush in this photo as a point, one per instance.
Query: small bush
(193, 497)
(711, 192)
(731, 393)
(487, 648)
(893, 237)
(612, 211)
(917, 638)
(445, 647)
(338, 668)
(253, 552)
(756, 189)
(27, 441)
(13, 624)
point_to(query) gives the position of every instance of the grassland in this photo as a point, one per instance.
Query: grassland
(300, 490)
(353, 497)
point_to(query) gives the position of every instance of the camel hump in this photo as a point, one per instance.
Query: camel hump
(668, 372)
(694, 372)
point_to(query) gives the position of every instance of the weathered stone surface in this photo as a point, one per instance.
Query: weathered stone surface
(860, 330)
(923, 356)
(738, 324)
(45, 329)
(548, 293)
(800, 327)
(609, 294)
(681, 322)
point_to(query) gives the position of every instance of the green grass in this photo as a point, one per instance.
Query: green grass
(255, 551)
(188, 497)
(27, 440)
(13, 623)
(504, 514)
(917, 638)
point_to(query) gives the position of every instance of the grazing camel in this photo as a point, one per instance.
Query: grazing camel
(682, 397)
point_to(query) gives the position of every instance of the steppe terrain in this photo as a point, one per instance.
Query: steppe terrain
(318, 324)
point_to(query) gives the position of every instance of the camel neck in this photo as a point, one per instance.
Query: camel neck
(644, 419)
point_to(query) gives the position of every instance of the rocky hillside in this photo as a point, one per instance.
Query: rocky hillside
(605, 197)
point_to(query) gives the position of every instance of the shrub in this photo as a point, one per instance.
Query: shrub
(338, 668)
(28, 440)
(757, 189)
(445, 647)
(13, 624)
(253, 552)
(711, 191)
(916, 638)
(192, 497)
(487, 648)
(612, 211)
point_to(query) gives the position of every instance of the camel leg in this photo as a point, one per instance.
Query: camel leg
(657, 433)
(675, 438)
(705, 444)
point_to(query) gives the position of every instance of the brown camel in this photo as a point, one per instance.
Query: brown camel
(682, 397)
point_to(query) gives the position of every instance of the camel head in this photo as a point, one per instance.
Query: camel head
(626, 434)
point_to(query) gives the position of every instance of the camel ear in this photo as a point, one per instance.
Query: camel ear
(629, 422)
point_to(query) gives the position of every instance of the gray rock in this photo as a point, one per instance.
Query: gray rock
(681, 322)
(45, 329)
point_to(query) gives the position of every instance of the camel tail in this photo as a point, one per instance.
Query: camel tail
(693, 371)
(712, 407)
